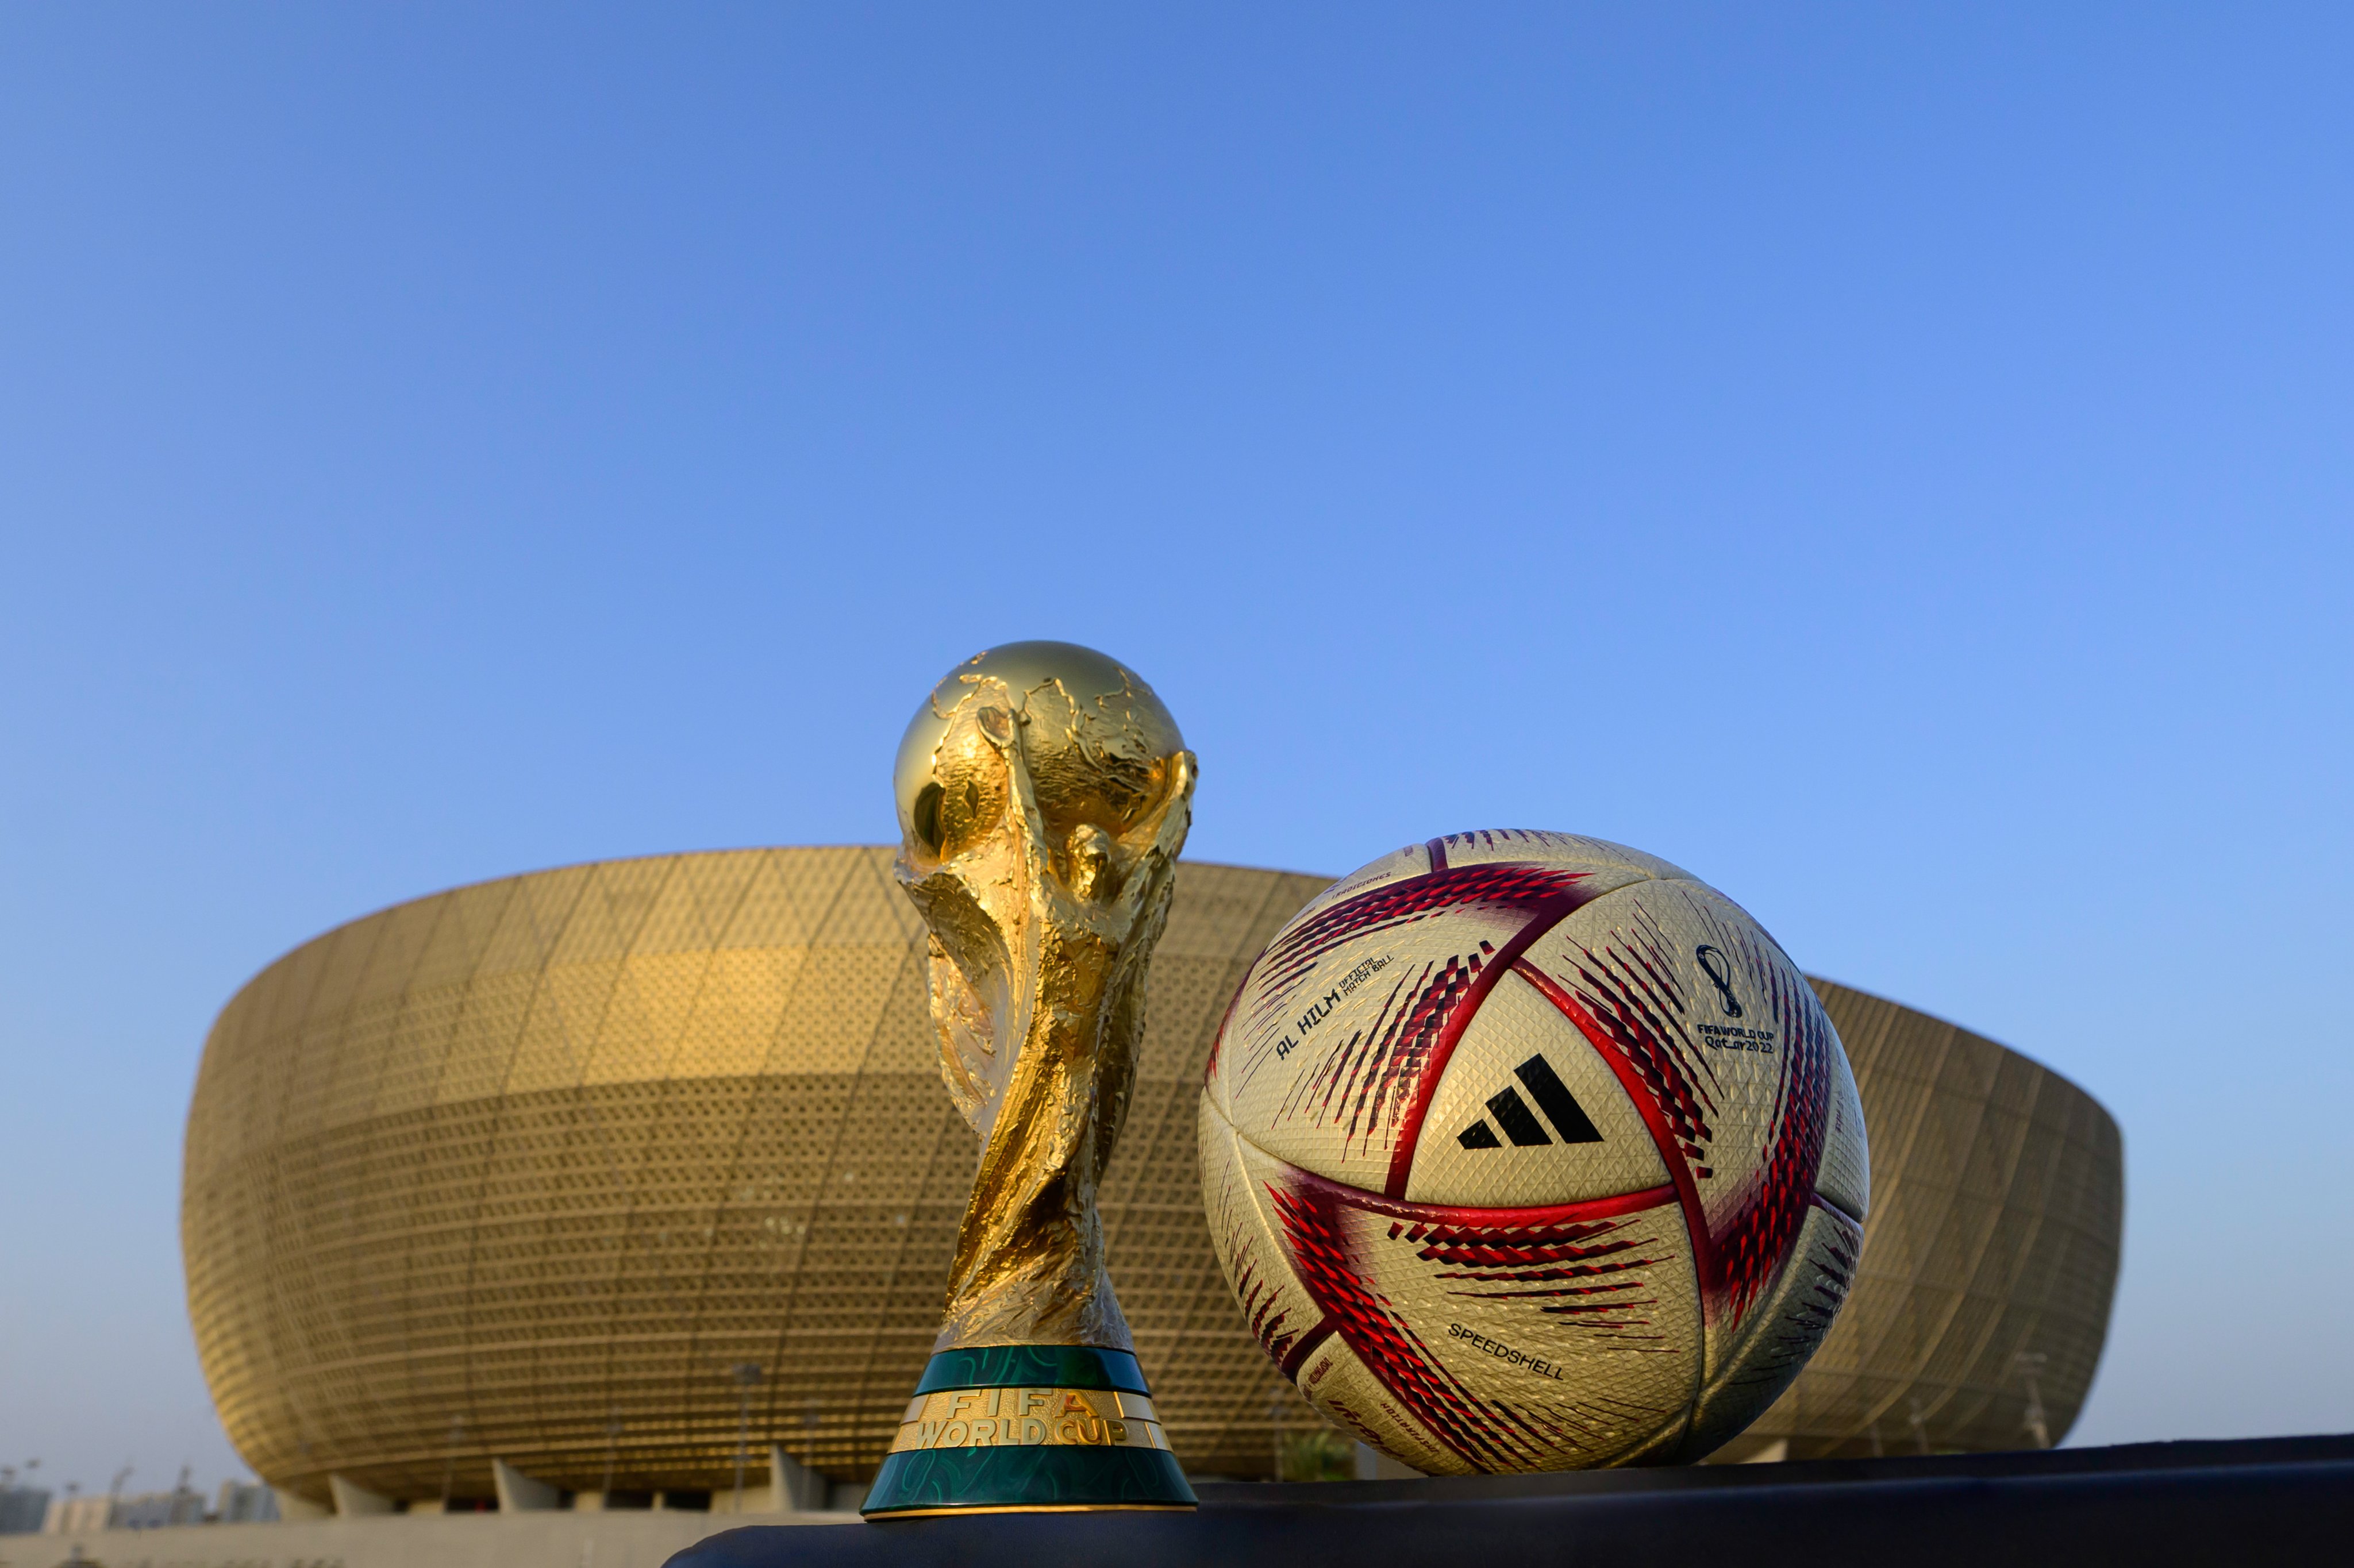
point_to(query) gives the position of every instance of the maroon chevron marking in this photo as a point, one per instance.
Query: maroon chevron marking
(1647, 1103)
(1537, 1217)
(1218, 1039)
(1615, 1011)
(1542, 917)
(1835, 1265)
(1314, 1213)
(1757, 1241)
(1808, 1317)
(1291, 1361)
(1313, 1224)
(1383, 1077)
(1503, 887)
(1258, 1298)
(1593, 1268)
(1362, 1077)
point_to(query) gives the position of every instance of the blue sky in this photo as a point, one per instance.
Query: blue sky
(1894, 462)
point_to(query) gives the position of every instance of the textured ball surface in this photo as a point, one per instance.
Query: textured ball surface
(1525, 1152)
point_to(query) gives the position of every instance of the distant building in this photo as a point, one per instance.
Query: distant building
(135, 1510)
(153, 1511)
(22, 1509)
(242, 1504)
(71, 1515)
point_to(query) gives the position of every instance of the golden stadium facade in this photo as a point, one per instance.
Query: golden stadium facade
(599, 1171)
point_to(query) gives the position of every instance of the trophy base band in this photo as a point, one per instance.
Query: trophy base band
(1028, 1428)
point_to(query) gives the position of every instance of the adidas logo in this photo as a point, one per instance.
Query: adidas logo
(1520, 1123)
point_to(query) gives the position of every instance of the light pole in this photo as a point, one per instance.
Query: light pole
(746, 1374)
(613, 1453)
(2028, 1364)
(450, 1468)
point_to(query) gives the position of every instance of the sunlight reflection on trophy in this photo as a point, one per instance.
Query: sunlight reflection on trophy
(1044, 793)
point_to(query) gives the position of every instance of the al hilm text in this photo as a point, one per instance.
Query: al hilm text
(1318, 1012)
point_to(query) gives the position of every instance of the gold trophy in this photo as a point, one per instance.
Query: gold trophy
(1044, 793)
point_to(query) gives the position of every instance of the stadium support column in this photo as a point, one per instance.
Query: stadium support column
(352, 1500)
(519, 1493)
(294, 1505)
(793, 1487)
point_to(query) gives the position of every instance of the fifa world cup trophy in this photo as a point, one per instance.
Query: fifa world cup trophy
(1044, 792)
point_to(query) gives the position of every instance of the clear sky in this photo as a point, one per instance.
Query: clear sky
(1894, 461)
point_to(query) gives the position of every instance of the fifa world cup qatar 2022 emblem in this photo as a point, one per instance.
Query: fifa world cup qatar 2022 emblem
(1044, 792)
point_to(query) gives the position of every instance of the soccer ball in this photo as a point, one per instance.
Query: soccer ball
(1525, 1151)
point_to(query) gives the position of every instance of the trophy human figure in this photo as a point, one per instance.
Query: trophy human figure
(1044, 792)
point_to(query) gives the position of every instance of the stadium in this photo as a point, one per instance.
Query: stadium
(609, 1175)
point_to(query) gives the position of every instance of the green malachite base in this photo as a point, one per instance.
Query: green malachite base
(1040, 1476)
(1037, 1476)
(1033, 1366)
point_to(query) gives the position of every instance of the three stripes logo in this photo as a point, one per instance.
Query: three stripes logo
(1520, 1124)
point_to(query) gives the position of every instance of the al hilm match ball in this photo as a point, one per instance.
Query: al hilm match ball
(1525, 1152)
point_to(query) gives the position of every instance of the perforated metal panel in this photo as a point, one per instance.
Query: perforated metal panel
(529, 1169)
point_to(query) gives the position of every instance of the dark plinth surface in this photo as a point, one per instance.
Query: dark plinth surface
(2282, 1499)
